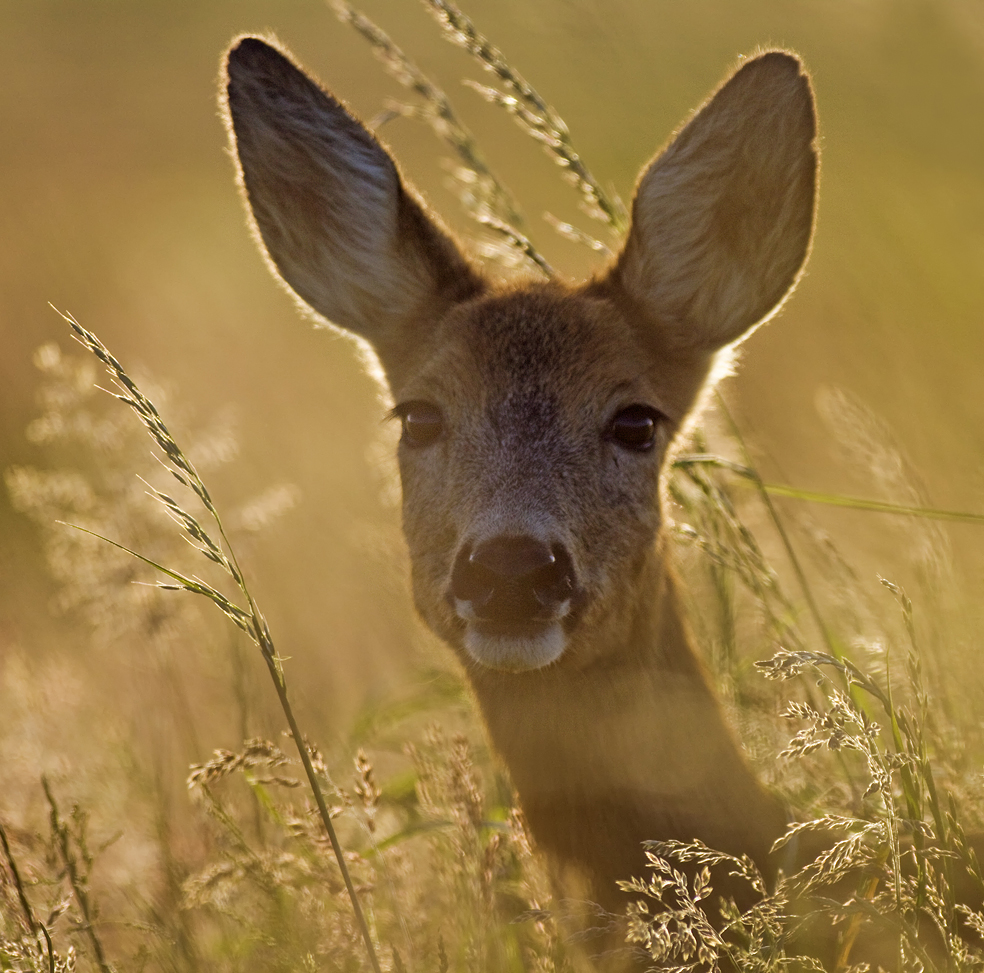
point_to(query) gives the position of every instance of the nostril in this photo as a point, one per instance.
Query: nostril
(513, 579)
(553, 584)
(471, 581)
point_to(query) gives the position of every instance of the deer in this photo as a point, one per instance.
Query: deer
(538, 421)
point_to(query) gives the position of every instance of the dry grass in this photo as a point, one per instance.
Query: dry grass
(885, 755)
(439, 858)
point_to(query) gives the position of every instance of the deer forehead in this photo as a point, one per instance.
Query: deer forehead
(542, 356)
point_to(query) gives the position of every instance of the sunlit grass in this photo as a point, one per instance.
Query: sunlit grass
(439, 856)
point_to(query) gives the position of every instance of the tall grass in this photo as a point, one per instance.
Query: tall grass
(402, 849)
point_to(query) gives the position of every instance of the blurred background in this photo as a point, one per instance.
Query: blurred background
(117, 203)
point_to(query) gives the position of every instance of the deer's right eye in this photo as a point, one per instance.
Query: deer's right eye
(422, 422)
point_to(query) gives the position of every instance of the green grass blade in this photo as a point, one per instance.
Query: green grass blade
(876, 506)
(831, 499)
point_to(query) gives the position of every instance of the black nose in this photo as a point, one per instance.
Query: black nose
(513, 580)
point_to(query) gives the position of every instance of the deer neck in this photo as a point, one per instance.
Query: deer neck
(629, 747)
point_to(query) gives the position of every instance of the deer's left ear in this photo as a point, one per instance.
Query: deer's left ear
(723, 218)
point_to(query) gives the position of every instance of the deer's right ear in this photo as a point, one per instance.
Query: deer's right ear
(329, 205)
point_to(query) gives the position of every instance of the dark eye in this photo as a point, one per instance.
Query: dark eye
(422, 422)
(634, 427)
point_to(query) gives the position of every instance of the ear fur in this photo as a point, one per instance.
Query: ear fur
(723, 217)
(329, 205)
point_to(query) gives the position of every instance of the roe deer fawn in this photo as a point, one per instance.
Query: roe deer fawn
(537, 419)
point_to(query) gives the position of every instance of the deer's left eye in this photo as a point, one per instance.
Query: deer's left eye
(422, 422)
(635, 427)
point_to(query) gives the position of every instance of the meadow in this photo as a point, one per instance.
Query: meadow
(118, 205)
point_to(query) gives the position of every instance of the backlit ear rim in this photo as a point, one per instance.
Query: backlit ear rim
(328, 204)
(722, 220)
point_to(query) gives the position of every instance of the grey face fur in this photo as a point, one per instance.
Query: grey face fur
(529, 386)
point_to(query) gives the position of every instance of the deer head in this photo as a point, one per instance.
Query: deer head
(537, 417)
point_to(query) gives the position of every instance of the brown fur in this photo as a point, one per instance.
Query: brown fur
(619, 738)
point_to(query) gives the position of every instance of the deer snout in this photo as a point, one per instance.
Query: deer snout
(513, 582)
(513, 592)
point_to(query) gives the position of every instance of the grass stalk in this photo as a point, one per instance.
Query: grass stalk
(249, 619)
(32, 923)
(829, 499)
(489, 202)
(59, 831)
(531, 111)
(875, 506)
(794, 561)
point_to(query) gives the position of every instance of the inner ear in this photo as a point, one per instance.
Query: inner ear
(722, 220)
